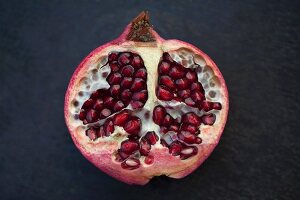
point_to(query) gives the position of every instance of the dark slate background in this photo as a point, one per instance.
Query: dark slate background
(254, 43)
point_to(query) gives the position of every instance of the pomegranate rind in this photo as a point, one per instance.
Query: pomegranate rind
(101, 153)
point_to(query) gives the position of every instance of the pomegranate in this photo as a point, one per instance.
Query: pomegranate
(141, 106)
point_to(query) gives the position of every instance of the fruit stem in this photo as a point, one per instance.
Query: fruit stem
(140, 30)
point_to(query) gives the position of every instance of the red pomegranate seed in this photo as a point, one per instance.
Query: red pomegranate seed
(124, 58)
(126, 95)
(133, 137)
(115, 90)
(137, 62)
(208, 119)
(158, 114)
(136, 104)
(82, 115)
(191, 76)
(114, 78)
(127, 70)
(88, 104)
(206, 106)
(96, 94)
(113, 56)
(184, 93)
(197, 96)
(108, 101)
(188, 127)
(98, 105)
(102, 92)
(187, 137)
(126, 82)
(182, 83)
(163, 129)
(151, 137)
(164, 68)
(189, 101)
(92, 116)
(191, 118)
(130, 164)
(164, 94)
(198, 140)
(174, 127)
(91, 133)
(188, 152)
(108, 127)
(216, 106)
(197, 86)
(175, 148)
(133, 126)
(176, 72)
(129, 146)
(119, 106)
(101, 132)
(140, 96)
(122, 155)
(145, 147)
(121, 118)
(149, 159)
(138, 84)
(141, 73)
(114, 66)
(167, 57)
(167, 81)
(105, 113)
(167, 120)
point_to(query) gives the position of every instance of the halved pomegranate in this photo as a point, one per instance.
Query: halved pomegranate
(141, 106)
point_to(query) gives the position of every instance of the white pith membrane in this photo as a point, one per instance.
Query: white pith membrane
(92, 77)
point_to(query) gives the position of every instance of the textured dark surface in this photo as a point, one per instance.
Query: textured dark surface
(254, 43)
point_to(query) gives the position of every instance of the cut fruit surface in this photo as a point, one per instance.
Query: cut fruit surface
(141, 106)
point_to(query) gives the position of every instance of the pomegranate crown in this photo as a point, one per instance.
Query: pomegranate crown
(140, 30)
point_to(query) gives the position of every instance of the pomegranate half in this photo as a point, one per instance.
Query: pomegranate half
(141, 106)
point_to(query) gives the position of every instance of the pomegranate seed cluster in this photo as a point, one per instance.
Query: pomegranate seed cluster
(127, 81)
(127, 92)
(175, 82)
